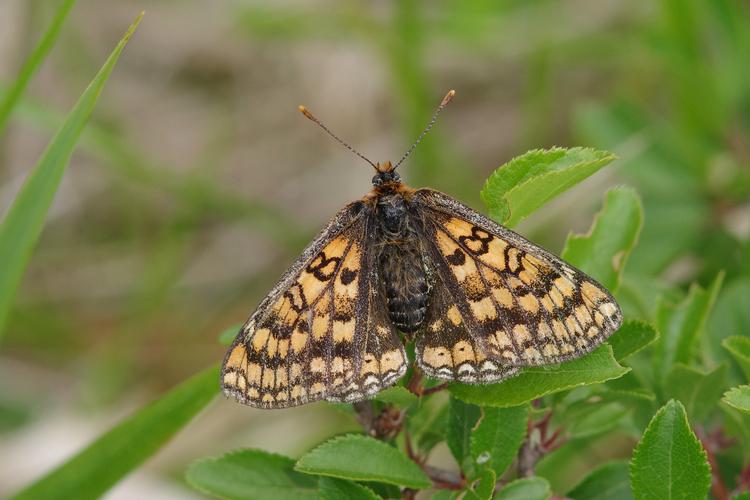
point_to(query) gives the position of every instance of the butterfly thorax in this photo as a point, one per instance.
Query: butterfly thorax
(400, 263)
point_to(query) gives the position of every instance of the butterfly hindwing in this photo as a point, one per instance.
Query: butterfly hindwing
(519, 304)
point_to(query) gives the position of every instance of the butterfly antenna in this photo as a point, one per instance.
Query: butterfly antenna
(312, 117)
(443, 104)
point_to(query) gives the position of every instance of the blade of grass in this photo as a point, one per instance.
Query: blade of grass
(31, 65)
(108, 459)
(25, 219)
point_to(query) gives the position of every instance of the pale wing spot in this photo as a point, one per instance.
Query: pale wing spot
(337, 365)
(598, 318)
(547, 303)
(298, 392)
(593, 332)
(230, 378)
(513, 259)
(343, 332)
(260, 337)
(544, 331)
(253, 373)
(383, 332)
(267, 398)
(391, 361)
(370, 365)
(269, 378)
(582, 315)
(531, 353)
(458, 227)
(560, 331)
(521, 334)
(484, 309)
(311, 286)
(317, 388)
(454, 316)
(317, 365)
(237, 357)
(281, 396)
(565, 286)
(320, 327)
(503, 297)
(281, 380)
(556, 297)
(608, 308)
(283, 348)
(272, 345)
(495, 256)
(241, 384)
(436, 356)
(550, 350)
(437, 325)
(529, 302)
(295, 372)
(462, 352)
(299, 341)
(503, 341)
(252, 393)
(593, 292)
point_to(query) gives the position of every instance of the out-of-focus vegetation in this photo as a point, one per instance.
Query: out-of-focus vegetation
(196, 183)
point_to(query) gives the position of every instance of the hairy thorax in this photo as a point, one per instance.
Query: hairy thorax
(402, 270)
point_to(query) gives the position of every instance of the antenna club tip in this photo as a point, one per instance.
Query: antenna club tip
(448, 97)
(302, 109)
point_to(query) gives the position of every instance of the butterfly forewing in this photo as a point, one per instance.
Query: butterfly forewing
(519, 305)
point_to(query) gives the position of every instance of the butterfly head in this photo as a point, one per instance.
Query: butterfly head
(386, 174)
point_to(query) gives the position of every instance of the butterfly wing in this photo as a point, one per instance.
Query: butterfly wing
(516, 304)
(311, 337)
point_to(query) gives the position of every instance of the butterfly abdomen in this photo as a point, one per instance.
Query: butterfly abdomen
(402, 271)
(407, 289)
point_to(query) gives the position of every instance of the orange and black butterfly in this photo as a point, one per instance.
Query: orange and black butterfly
(479, 301)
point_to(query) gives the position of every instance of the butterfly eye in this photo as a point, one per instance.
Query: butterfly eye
(377, 180)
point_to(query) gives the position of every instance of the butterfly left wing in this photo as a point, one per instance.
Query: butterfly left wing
(319, 334)
(518, 304)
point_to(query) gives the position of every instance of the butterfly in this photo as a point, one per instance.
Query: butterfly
(479, 301)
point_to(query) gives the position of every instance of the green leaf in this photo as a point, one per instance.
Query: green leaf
(32, 64)
(680, 325)
(331, 488)
(609, 482)
(669, 462)
(108, 459)
(483, 487)
(227, 336)
(461, 420)
(362, 458)
(428, 423)
(738, 397)
(603, 251)
(498, 436)
(533, 383)
(589, 419)
(632, 336)
(397, 395)
(251, 474)
(25, 219)
(530, 488)
(739, 348)
(698, 391)
(529, 181)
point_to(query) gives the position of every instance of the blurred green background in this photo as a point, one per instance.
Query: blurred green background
(197, 181)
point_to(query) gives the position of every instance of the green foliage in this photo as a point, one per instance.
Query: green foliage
(96, 468)
(24, 221)
(699, 391)
(602, 252)
(533, 383)
(252, 474)
(362, 458)
(632, 336)
(738, 397)
(529, 181)
(532, 488)
(497, 436)
(611, 481)
(31, 65)
(739, 348)
(669, 462)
